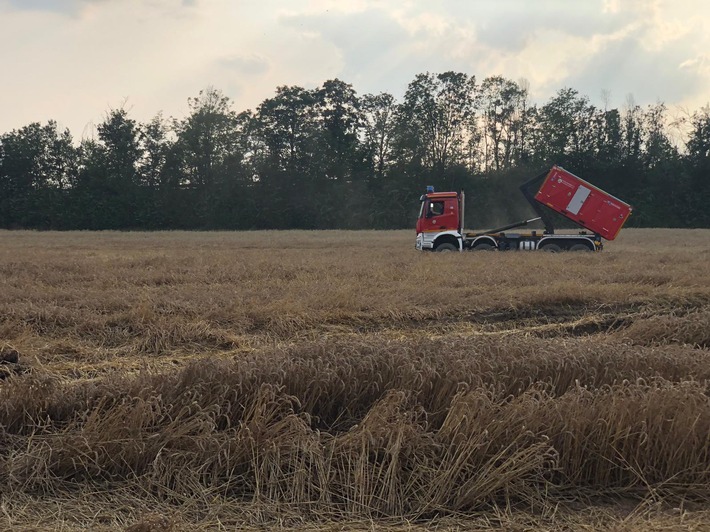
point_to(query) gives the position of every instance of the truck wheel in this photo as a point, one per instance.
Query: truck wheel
(446, 247)
(484, 246)
(580, 247)
(551, 248)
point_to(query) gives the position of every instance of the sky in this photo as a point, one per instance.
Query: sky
(74, 60)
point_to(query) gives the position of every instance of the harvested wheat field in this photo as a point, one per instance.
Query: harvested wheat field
(343, 381)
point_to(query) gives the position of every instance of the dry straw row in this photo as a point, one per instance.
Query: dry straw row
(413, 429)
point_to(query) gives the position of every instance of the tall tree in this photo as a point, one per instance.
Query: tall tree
(659, 148)
(503, 105)
(565, 130)
(434, 118)
(36, 162)
(107, 193)
(284, 139)
(37, 156)
(698, 166)
(285, 126)
(119, 137)
(609, 137)
(337, 107)
(207, 137)
(379, 127)
(632, 124)
(155, 147)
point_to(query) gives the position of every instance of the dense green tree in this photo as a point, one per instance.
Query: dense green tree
(326, 158)
(285, 127)
(699, 140)
(565, 131)
(660, 166)
(37, 163)
(207, 160)
(37, 156)
(119, 137)
(698, 168)
(609, 137)
(503, 106)
(108, 192)
(378, 130)
(284, 132)
(658, 147)
(207, 137)
(155, 146)
(434, 119)
(338, 114)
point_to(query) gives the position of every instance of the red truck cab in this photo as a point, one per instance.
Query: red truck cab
(440, 222)
(439, 211)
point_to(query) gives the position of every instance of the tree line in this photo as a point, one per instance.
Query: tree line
(329, 158)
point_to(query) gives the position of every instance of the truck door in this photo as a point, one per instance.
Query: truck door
(441, 215)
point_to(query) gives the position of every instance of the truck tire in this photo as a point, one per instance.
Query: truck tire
(551, 247)
(446, 247)
(484, 246)
(580, 247)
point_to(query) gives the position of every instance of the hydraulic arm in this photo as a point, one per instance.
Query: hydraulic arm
(529, 189)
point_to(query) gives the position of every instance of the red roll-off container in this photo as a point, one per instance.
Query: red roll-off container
(583, 203)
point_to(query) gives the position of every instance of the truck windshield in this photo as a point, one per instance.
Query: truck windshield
(421, 206)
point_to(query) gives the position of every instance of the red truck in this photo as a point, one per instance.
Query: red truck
(440, 225)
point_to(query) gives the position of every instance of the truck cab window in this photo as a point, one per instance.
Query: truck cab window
(436, 208)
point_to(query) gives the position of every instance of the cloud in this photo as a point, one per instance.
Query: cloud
(627, 65)
(367, 42)
(71, 60)
(73, 7)
(65, 7)
(624, 67)
(244, 64)
(512, 32)
(56, 6)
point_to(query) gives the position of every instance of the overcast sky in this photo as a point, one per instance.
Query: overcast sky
(72, 60)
